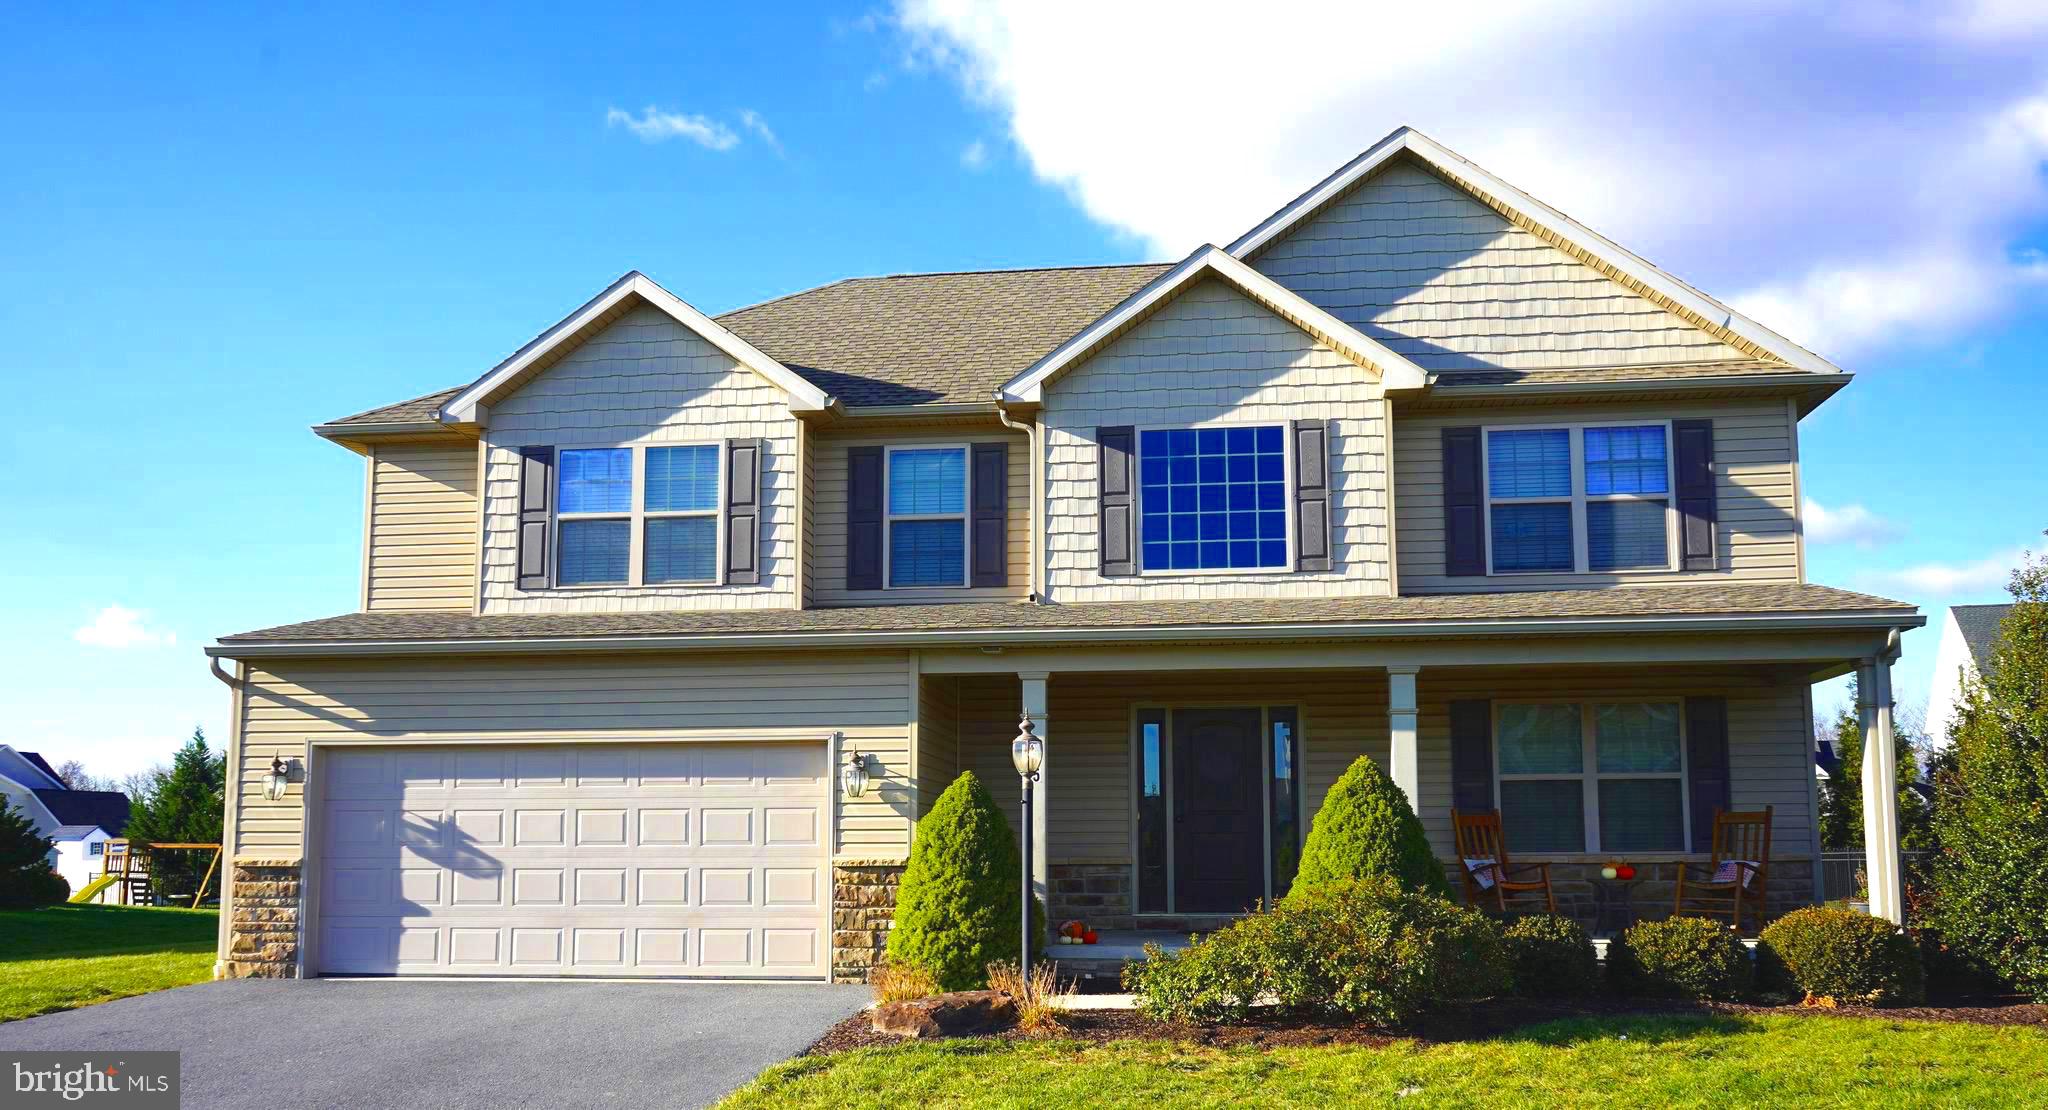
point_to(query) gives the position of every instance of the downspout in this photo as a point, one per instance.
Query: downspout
(1037, 596)
(230, 812)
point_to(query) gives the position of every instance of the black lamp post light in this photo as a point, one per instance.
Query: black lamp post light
(1027, 754)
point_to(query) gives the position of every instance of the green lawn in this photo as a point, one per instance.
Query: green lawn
(1771, 1060)
(61, 957)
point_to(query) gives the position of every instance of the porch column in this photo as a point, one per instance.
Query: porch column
(1403, 764)
(1880, 787)
(1035, 704)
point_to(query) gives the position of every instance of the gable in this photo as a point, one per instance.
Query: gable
(1215, 348)
(642, 369)
(1426, 268)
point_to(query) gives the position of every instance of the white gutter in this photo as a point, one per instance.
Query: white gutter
(1334, 630)
(1792, 382)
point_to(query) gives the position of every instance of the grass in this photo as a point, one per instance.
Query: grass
(62, 957)
(1770, 1060)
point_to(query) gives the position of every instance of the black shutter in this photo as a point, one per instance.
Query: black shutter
(536, 503)
(743, 459)
(1694, 448)
(1115, 449)
(1311, 495)
(1706, 765)
(864, 518)
(1472, 756)
(989, 517)
(1464, 504)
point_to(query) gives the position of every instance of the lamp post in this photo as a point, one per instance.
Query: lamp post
(1027, 753)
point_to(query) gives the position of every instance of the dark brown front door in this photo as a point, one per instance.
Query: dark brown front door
(1218, 821)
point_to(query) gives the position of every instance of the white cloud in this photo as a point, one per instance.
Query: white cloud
(752, 121)
(1829, 163)
(1850, 524)
(1950, 579)
(118, 626)
(975, 155)
(655, 126)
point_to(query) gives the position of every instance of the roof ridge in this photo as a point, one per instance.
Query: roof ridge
(1001, 270)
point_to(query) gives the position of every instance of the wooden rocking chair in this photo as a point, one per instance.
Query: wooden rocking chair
(1739, 875)
(1483, 862)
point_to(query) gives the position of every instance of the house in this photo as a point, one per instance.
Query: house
(1968, 637)
(1418, 469)
(80, 822)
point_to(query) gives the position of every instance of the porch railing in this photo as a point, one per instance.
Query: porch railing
(1841, 872)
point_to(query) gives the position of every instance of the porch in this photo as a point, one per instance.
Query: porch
(1179, 782)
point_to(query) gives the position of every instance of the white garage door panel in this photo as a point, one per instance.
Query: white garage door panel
(574, 859)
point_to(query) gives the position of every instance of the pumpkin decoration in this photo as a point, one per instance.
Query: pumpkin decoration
(1089, 937)
(1625, 872)
(1610, 870)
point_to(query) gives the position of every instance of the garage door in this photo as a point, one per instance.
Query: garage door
(574, 859)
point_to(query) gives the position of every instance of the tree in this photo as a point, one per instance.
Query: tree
(182, 805)
(958, 904)
(1991, 889)
(1841, 796)
(1366, 828)
(73, 774)
(25, 875)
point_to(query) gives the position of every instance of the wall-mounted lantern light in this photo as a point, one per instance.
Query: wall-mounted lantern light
(853, 778)
(280, 776)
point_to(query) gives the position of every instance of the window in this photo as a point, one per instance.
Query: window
(1213, 498)
(927, 543)
(1578, 499)
(1284, 807)
(621, 524)
(1626, 795)
(1152, 822)
(96, 848)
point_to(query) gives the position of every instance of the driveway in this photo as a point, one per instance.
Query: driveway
(263, 1044)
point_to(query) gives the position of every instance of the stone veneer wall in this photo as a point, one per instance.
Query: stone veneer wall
(863, 907)
(263, 933)
(1099, 894)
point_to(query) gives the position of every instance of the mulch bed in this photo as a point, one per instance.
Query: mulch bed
(1480, 1022)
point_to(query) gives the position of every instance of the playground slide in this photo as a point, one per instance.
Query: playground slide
(93, 888)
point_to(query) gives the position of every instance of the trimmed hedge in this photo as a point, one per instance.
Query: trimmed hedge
(958, 903)
(1680, 957)
(1367, 829)
(1362, 950)
(1851, 957)
(1551, 957)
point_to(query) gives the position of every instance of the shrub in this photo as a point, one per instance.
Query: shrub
(894, 982)
(1680, 957)
(1841, 955)
(25, 875)
(1992, 811)
(1363, 950)
(1366, 829)
(1551, 956)
(957, 905)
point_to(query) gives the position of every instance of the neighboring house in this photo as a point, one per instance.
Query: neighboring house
(79, 821)
(1418, 469)
(1968, 637)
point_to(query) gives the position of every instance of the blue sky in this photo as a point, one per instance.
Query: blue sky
(218, 228)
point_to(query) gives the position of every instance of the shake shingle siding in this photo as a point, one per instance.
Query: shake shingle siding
(644, 380)
(1450, 283)
(1213, 356)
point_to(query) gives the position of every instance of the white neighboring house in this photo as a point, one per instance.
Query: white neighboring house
(1968, 635)
(80, 821)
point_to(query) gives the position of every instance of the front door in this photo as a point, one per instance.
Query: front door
(1219, 816)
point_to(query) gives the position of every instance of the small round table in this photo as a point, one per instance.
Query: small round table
(1613, 904)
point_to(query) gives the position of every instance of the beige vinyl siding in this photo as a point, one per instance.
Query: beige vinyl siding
(645, 379)
(1769, 744)
(828, 519)
(420, 545)
(1212, 357)
(1424, 267)
(1756, 536)
(1089, 776)
(938, 738)
(682, 697)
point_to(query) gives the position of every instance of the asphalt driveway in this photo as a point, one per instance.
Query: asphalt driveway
(264, 1044)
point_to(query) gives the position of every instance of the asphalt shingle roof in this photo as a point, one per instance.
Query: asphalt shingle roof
(106, 808)
(1672, 601)
(1979, 625)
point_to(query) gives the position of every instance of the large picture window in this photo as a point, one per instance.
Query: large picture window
(1591, 777)
(1581, 498)
(631, 516)
(1213, 498)
(927, 541)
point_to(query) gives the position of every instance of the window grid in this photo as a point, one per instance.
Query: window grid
(1632, 454)
(1213, 500)
(1591, 776)
(609, 516)
(926, 541)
